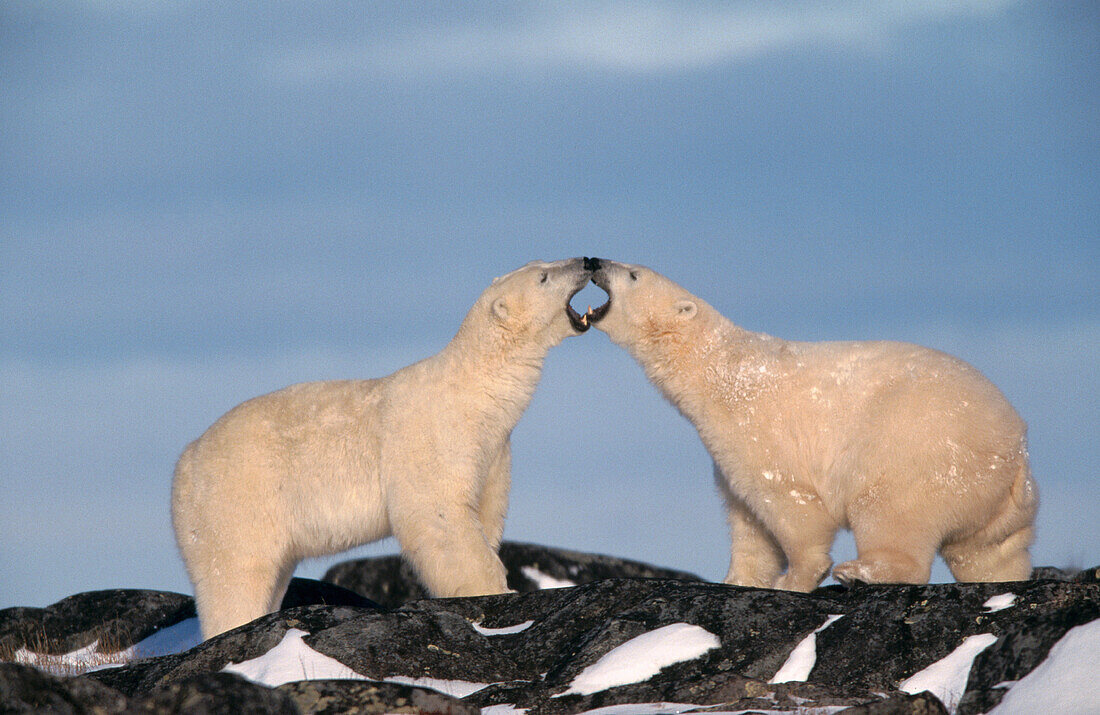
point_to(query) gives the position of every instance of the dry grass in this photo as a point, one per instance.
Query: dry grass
(36, 651)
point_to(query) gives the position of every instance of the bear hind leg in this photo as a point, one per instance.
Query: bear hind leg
(223, 603)
(999, 550)
(979, 560)
(884, 566)
(887, 551)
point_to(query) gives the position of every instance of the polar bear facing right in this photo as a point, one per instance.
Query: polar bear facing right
(422, 454)
(912, 449)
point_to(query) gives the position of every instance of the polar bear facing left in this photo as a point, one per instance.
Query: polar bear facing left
(912, 449)
(422, 454)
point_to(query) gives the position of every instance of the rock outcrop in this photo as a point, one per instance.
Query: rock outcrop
(554, 650)
(390, 582)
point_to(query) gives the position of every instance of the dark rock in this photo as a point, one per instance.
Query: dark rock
(243, 643)
(725, 690)
(902, 629)
(902, 704)
(24, 689)
(573, 627)
(386, 580)
(117, 618)
(215, 693)
(1046, 612)
(434, 644)
(885, 635)
(525, 561)
(1049, 573)
(311, 592)
(390, 581)
(360, 697)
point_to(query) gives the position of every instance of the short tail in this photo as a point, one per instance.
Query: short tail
(1024, 492)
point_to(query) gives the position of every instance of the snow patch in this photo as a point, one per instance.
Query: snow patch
(946, 678)
(173, 639)
(505, 631)
(1000, 602)
(677, 708)
(81, 660)
(802, 659)
(544, 581)
(643, 709)
(454, 688)
(1067, 681)
(640, 658)
(176, 638)
(290, 661)
(506, 709)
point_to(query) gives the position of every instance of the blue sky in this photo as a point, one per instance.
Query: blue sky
(201, 202)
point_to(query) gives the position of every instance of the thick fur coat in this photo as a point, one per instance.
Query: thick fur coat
(422, 454)
(912, 449)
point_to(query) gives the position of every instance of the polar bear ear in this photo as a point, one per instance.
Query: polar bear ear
(686, 309)
(500, 309)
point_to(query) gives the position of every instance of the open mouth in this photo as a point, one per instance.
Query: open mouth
(579, 321)
(583, 321)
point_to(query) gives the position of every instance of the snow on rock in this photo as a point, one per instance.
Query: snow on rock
(640, 658)
(999, 602)
(81, 660)
(1067, 681)
(173, 639)
(292, 660)
(507, 630)
(454, 688)
(802, 659)
(946, 678)
(545, 580)
(677, 708)
(177, 638)
(643, 709)
(505, 709)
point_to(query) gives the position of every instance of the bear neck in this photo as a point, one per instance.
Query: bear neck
(685, 366)
(502, 368)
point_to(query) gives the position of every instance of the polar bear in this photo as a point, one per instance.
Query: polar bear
(422, 454)
(912, 449)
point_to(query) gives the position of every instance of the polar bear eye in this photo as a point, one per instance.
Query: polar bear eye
(542, 278)
(634, 275)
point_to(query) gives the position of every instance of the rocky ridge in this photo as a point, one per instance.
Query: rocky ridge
(528, 651)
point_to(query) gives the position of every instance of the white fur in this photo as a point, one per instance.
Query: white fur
(912, 449)
(422, 454)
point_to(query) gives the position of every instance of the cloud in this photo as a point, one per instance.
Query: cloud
(633, 38)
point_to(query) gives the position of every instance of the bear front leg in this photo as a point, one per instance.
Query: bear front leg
(755, 557)
(494, 497)
(441, 535)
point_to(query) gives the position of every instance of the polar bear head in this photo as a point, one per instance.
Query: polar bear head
(530, 305)
(646, 313)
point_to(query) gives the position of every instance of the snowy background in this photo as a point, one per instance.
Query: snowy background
(200, 203)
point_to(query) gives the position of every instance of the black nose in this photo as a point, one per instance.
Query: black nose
(591, 264)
